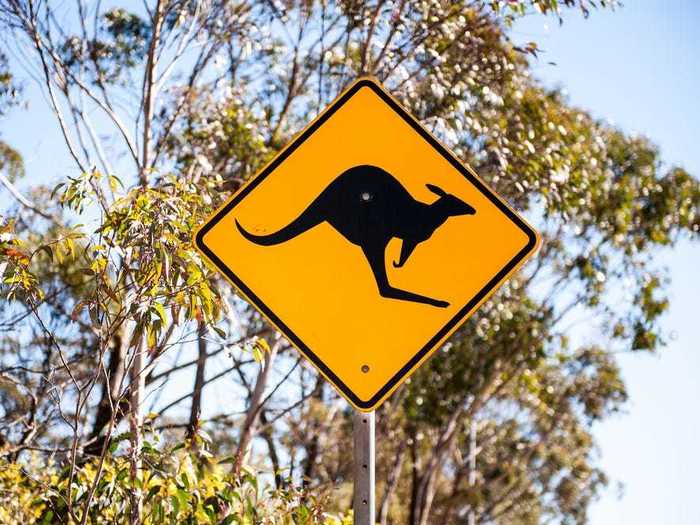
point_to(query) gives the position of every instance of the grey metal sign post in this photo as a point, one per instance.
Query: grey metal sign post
(363, 440)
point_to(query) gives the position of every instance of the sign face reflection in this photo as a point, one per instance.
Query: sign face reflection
(366, 243)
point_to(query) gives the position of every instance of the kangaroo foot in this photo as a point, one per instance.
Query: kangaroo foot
(403, 295)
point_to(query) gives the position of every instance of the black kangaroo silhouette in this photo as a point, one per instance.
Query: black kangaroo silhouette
(369, 207)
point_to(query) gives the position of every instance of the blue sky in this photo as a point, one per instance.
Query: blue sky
(639, 68)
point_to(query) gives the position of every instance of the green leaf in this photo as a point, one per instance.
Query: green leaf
(176, 505)
(48, 250)
(160, 310)
(152, 492)
(262, 343)
(114, 181)
(56, 189)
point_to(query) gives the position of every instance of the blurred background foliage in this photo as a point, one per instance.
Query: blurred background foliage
(137, 387)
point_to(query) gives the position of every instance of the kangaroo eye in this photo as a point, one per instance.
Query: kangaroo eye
(366, 196)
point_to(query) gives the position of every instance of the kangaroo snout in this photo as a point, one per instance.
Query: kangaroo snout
(468, 210)
(452, 205)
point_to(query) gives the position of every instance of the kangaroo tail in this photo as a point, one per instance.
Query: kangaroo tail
(307, 220)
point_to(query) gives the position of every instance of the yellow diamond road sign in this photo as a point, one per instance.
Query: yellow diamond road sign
(366, 243)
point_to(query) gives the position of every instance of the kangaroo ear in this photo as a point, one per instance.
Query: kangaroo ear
(436, 190)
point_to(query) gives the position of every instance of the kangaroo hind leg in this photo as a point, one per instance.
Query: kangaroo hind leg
(375, 256)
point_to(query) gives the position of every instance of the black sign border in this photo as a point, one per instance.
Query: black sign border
(455, 321)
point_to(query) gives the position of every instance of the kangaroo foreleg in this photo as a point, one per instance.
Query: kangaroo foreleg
(407, 248)
(375, 257)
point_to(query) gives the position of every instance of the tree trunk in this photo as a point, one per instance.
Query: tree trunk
(391, 484)
(312, 448)
(414, 478)
(196, 407)
(427, 481)
(110, 394)
(136, 429)
(256, 399)
(272, 450)
(149, 90)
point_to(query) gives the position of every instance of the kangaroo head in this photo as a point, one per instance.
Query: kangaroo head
(450, 204)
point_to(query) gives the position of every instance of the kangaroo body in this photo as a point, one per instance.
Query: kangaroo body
(369, 207)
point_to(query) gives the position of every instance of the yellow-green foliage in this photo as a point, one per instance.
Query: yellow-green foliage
(182, 484)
